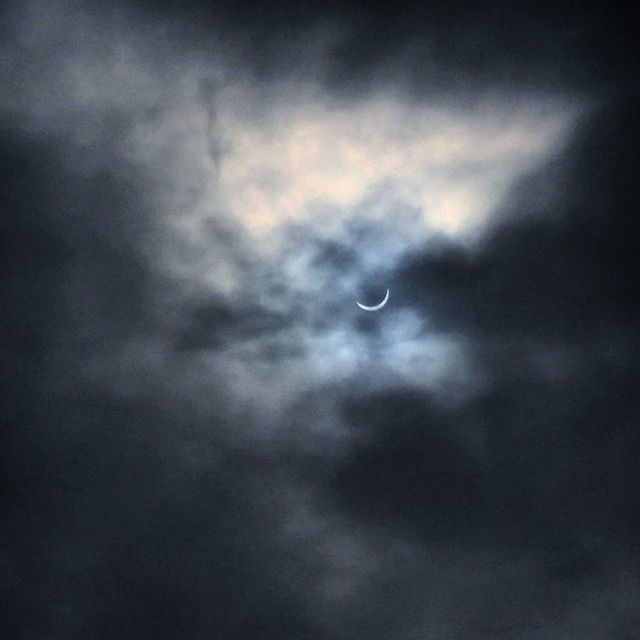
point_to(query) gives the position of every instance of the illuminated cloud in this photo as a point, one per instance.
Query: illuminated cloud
(454, 163)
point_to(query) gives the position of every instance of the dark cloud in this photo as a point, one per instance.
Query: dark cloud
(436, 48)
(112, 525)
(215, 324)
(145, 495)
(540, 464)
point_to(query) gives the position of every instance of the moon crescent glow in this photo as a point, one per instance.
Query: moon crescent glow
(377, 306)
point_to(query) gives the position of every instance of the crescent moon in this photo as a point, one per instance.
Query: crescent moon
(377, 306)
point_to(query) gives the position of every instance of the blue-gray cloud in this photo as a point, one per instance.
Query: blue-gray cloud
(203, 436)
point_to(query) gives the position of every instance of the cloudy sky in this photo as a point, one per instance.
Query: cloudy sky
(202, 434)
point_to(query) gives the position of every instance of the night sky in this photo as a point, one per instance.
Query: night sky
(203, 437)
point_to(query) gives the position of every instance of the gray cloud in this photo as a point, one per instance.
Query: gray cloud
(202, 436)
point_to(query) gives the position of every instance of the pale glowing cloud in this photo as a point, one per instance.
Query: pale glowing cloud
(454, 164)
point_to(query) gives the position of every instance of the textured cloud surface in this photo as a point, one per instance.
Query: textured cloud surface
(204, 437)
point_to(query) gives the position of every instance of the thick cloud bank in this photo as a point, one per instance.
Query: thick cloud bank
(203, 436)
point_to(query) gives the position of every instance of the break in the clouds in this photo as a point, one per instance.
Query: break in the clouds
(204, 436)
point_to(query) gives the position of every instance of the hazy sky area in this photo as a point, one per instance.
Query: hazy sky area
(204, 437)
